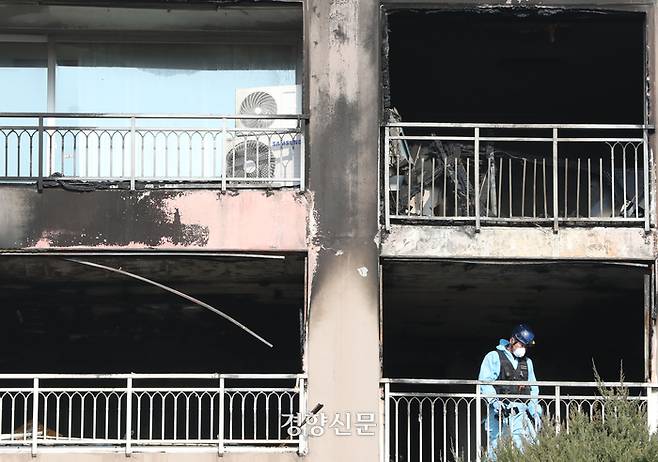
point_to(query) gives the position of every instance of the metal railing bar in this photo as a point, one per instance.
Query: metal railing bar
(149, 130)
(555, 192)
(648, 196)
(545, 396)
(508, 125)
(600, 140)
(529, 220)
(179, 448)
(186, 442)
(151, 376)
(549, 383)
(199, 180)
(514, 139)
(121, 115)
(430, 137)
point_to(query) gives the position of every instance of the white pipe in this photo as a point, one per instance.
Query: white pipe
(176, 292)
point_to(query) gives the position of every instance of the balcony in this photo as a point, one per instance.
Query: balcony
(92, 324)
(460, 309)
(541, 145)
(128, 413)
(516, 174)
(436, 420)
(149, 151)
(155, 97)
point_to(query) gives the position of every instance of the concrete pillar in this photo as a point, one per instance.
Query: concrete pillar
(343, 94)
(650, 349)
(650, 324)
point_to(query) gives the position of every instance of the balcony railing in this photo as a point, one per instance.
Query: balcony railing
(440, 420)
(151, 413)
(517, 173)
(147, 150)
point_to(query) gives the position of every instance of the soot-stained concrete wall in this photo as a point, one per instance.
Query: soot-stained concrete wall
(157, 219)
(598, 243)
(343, 351)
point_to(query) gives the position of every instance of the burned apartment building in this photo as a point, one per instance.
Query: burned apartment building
(218, 216)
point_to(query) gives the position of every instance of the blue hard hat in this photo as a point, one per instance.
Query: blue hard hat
(524, 334)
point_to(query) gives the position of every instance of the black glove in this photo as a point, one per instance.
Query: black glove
(531, 417)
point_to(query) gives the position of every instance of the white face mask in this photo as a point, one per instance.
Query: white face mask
(519, 352)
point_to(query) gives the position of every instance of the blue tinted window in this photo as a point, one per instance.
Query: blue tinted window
(160, 78)
(24, 77)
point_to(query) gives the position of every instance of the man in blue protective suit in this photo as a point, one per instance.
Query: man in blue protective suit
(511, 412)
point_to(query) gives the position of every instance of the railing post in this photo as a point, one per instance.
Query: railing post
(652, 408)
(478, 421)
(385, 422)
(220, 436)
(129, 408)
(303, 441)
(133, 138)
(647, 191)
(40, 155)
(301, 124)
(558, 412)
(35, 416)
(387, 179)
(555, 182)
(222, 158)
(476, 166)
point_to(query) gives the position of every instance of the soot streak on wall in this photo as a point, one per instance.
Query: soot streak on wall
(102, 218)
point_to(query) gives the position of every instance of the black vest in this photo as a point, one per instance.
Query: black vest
(507, 372)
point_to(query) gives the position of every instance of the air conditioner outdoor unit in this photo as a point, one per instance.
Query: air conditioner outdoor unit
(265, 148)
(268, 101)
(263, 160)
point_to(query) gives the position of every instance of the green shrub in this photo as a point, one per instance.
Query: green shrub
(619, 434)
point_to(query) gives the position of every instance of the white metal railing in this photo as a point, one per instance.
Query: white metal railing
(437, 420)
(516, 173)
(231, 151)
(151, 412)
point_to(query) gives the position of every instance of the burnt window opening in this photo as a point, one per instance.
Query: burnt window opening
(517, 67)
(582, 313)
(61, 317)
(529, 67)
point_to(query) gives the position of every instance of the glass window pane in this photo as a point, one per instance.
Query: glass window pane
(166, 78)
(24, 77)
(23, 88)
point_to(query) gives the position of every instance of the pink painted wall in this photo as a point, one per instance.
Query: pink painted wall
(192, 220)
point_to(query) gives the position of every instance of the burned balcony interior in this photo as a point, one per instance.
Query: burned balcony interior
(90, 320)
(527, 117)
(61, 317)
(144, 98)
(582, 312)
(441, 318)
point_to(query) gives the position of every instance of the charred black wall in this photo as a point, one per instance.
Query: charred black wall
(525, 66)
(582, 314)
